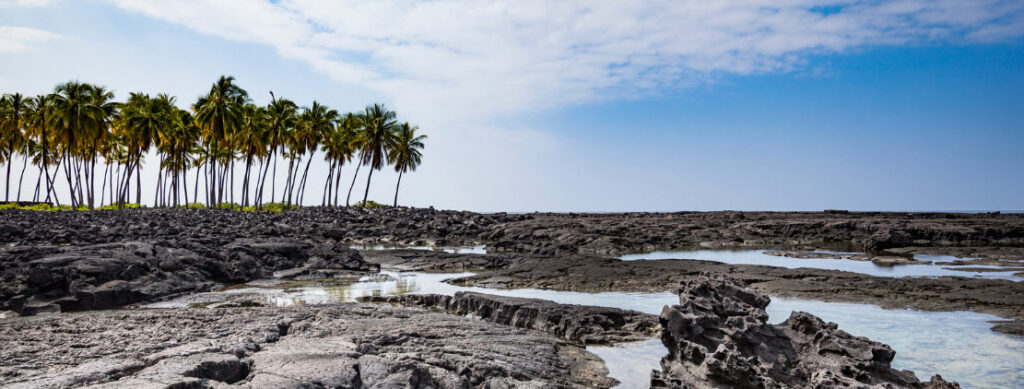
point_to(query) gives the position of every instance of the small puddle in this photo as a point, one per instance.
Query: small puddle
(631, 363)
(478, 249)
(759, 257)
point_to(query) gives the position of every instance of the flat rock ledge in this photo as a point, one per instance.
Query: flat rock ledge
(718, 337)
(578, 323)
(48, 279)
(327, 346)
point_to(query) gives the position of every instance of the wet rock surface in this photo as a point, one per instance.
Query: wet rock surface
(578, 323)
(46, 279)
(343, 345)
(718, 336)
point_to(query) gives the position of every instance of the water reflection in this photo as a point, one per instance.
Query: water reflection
(631, 363)
(759, 257)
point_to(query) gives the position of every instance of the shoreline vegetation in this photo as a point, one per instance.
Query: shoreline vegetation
(79, 135)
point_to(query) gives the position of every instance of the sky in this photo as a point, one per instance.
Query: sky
(595, 106)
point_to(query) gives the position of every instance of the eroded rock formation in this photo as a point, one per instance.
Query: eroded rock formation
(719, 337)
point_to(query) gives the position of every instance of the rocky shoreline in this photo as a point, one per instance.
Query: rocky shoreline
(72, 269)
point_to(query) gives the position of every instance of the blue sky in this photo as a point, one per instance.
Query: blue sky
(873, 105)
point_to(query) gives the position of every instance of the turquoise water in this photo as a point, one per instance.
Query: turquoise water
(758, 257)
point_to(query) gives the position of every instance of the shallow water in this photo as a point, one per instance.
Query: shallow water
(758, 257)
(478, 249)
(631, 363)
(959, 345)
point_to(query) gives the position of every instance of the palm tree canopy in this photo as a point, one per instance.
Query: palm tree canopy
(12, 124)
(406, 154)
(377, 136)
(220, 113)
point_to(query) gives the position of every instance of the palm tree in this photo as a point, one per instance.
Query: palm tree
(317, 121)
(376, 139)
(405, 154)
(72, 118)
(38, 127)
(141, 121)
(219, 114)
(252, 143)
(338, 150)
(282, 116)
(12, 136)
(106, 111)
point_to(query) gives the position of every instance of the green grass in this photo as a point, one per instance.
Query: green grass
(268, 207)
(54, 208)
(370, 204)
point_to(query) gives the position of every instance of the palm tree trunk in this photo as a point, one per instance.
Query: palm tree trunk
(327, 186)
(103, 185)
(232, 187)
(184, 186)
(195, 190)
(7, 183)
(353, 184)
(39, 180)
(337, 181)
(273, 178)
(24, 165)
(138, 180)
(67, 175)
(265, 166)
(6, 186)
(159, 181)
(211, 181)
(115, 179)
(51, 182)
(286, 197)
(92, 183)
(305, 174)
(397, 186)
(366, 193)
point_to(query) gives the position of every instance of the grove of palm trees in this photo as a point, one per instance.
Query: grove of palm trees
(80, 136)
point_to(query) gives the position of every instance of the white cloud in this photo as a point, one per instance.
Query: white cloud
(18, 39)
(27, 3)
(512, 56)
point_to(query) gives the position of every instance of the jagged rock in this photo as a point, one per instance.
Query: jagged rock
(718, 337)
(579, 323)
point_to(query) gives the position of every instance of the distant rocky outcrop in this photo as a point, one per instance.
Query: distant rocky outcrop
(718, 337)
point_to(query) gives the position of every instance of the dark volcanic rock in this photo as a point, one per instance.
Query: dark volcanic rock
(579, 323)
(547, 233)
(719, 337)
(345, 345)
(37, 279)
